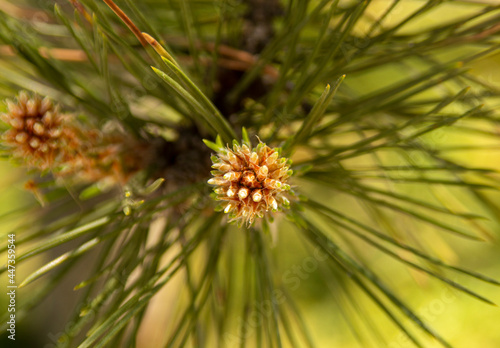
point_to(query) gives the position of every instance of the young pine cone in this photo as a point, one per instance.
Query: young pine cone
(36, 134)
(42, 137)
(251, 182)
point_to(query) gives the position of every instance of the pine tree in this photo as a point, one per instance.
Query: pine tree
(192, 147)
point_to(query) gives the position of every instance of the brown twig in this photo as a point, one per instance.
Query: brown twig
(79, 56)
(17, 11)
(232, 58)
(57, 53)
(493, 30)
(127, 21)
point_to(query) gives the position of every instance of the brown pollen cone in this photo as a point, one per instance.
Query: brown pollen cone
(36, 132)
(46, 139)
(250, 182)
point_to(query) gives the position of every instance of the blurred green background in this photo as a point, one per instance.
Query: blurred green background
(464, 321)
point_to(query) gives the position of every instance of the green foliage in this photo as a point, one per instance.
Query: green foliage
(362, 97)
